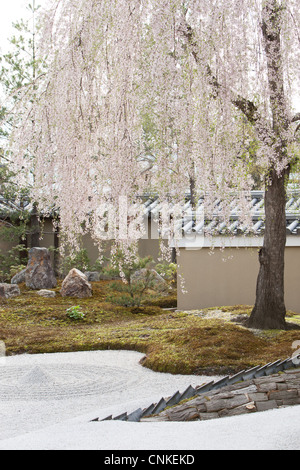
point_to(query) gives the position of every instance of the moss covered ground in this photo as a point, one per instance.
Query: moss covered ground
(178, 342)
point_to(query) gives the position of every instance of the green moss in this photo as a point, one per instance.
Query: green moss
(174, 342)
(169, 301)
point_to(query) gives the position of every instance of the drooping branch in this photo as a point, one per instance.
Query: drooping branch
(244, 105)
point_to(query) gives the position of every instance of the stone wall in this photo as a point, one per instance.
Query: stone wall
(257, 394)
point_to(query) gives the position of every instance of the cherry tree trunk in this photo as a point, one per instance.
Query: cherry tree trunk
(269, 310)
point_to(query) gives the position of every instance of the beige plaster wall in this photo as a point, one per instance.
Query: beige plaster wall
(148, 246)
(229, 277)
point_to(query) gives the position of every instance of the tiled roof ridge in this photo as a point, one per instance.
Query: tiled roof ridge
(256, 210)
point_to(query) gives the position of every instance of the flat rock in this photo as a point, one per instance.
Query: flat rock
(46, 293)
(218, 404)
(76, 284)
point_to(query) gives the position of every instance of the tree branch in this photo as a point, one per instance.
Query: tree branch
(246, 106)
(296, 118)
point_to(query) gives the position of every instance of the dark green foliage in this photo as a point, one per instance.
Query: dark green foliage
(129, 292)
(11, 262)
(79, 260)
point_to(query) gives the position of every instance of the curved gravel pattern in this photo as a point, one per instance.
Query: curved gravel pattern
(61, 382)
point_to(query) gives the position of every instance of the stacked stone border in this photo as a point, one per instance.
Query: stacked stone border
(260, 388)
(264, 393)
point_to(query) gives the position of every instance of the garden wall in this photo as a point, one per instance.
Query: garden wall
(229, 277)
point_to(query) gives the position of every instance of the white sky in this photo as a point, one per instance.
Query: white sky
(13, 11)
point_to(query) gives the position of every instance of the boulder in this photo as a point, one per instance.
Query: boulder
(9, 290)
(156, 281)
(76, 284)
(92, 276)
(19, 277)
(39, 272)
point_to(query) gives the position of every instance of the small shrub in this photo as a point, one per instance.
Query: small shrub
(100, 265)
(75, 312)
(130, 293)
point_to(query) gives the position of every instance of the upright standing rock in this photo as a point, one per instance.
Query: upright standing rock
(39, 272)
(76, 284)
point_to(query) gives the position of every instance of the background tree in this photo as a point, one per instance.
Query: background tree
(203, 72)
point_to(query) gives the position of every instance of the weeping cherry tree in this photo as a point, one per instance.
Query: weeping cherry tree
(165, 95)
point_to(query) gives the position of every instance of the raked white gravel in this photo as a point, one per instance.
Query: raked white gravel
(47, 401)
